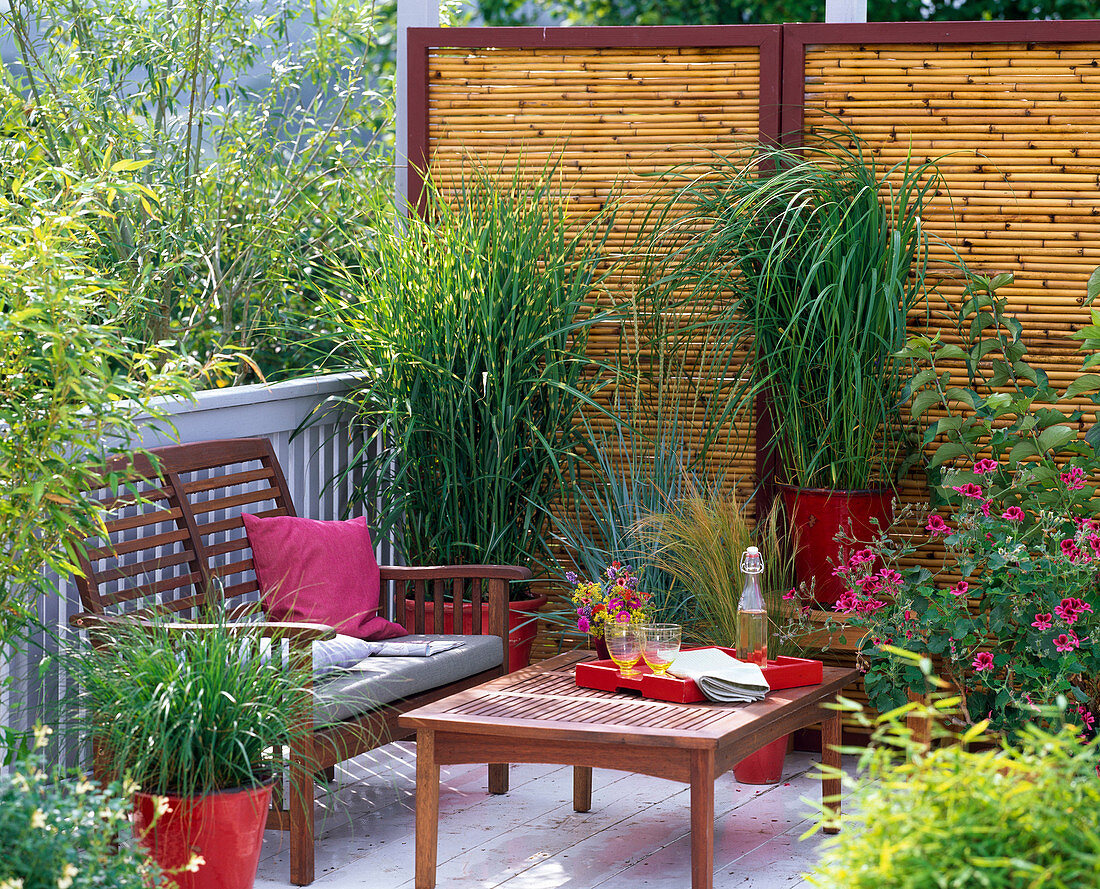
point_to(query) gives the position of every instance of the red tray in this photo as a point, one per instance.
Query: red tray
(783, 672)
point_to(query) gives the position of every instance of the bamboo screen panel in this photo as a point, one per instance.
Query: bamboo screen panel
(611, 118)
(1016, 128)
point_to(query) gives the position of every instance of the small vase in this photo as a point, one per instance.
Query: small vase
(598, 645)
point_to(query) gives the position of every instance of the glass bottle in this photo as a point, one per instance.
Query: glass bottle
(752, 615)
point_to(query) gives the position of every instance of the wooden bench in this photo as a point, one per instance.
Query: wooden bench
(182, 548)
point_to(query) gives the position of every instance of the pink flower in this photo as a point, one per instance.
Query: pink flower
(1067, 642)
(1013, 514)
(862, 557)
(889, 576)
(1042, 621)
(960, 588)
(1070, 550)
(969, 490)
(1071, 609)
(937, 525)
(983, 660)
(1073, 478)
(910, 615)
(984, 466)
(583, 625)
(792, 593)
(1086, 716)
(986, 504)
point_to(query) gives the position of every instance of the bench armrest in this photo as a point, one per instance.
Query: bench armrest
(297, 632)
(453, 572)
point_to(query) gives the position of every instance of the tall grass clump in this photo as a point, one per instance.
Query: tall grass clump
(819, 256)
(698, 539)
(469, 324)
(187, 710)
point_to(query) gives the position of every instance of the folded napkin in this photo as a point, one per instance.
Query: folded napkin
(721, 677)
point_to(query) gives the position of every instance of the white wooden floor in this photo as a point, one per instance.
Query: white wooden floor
(530, 838)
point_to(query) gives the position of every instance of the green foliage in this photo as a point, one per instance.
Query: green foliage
(1015, 486)
(1025, 816)
(819, 256)
(59, 830)
(70, 383)
(249, 153)
(470, 327)
(187, 709)
(723, 12)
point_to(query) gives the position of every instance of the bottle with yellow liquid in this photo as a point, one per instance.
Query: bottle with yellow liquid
(752, 615)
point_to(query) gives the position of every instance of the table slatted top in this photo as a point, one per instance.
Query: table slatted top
(544, 699)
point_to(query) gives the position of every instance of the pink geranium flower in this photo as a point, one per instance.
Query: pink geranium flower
(984, 466)
(937, 525)
(1073, 478)
(1071, 609)
(1042, 621)
(970, 490)
(960, 588)
(792, 593)
(1086, 716)
(1067, 641)
(983, 660)
(1013, 514)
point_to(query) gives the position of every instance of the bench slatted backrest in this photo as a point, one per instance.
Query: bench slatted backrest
(184, 545)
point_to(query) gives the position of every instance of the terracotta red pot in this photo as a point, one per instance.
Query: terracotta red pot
(600, 647)
(765, 766)
(815, 515)
(522, 624)
(226, 829)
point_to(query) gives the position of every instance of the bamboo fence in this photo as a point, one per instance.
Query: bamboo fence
(1015, 128)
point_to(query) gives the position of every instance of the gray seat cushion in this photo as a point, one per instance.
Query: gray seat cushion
(389, 679)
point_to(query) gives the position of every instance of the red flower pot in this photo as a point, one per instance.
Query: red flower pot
(600, 647)
(522, 624)
(765, 766)
(815, 515)
(226, 829)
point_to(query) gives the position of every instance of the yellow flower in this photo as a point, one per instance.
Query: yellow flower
(42, 735)
(38, 820)
(68, 872)
(13, 883)
(194, 864)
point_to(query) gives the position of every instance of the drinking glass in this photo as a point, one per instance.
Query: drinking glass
(660, 645)
(624, 644)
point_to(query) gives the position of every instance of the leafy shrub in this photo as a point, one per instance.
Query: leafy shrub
(1009, 817)
(58, 831)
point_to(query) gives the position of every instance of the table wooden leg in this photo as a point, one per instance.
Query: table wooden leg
(582, 788)
(702, 819)
(830, 758)
(427, 809)
(498, 777)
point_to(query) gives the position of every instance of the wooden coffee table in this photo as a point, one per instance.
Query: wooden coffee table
(539, 715)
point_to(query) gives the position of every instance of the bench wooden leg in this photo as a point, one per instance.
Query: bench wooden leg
(498, 777)
(830, 757)
(702, 819)
(300, 802)
(427, 809)
(582, 788)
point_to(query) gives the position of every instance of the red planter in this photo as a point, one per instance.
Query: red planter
(765, 766)
(226, 829)
(815, 515)
(522, 624)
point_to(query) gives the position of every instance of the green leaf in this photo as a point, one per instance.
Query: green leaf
(126, 166)
(1022, 450)
(948, 451)
(1053, 438)
(1084, 383)
(922, 401)
(1093, 288)
(951, 351)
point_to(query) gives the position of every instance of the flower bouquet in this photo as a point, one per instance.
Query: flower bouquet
(614, 598)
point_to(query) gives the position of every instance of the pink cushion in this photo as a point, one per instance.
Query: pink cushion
(319, 572)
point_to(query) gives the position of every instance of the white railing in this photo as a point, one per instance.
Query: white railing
(310, 458)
